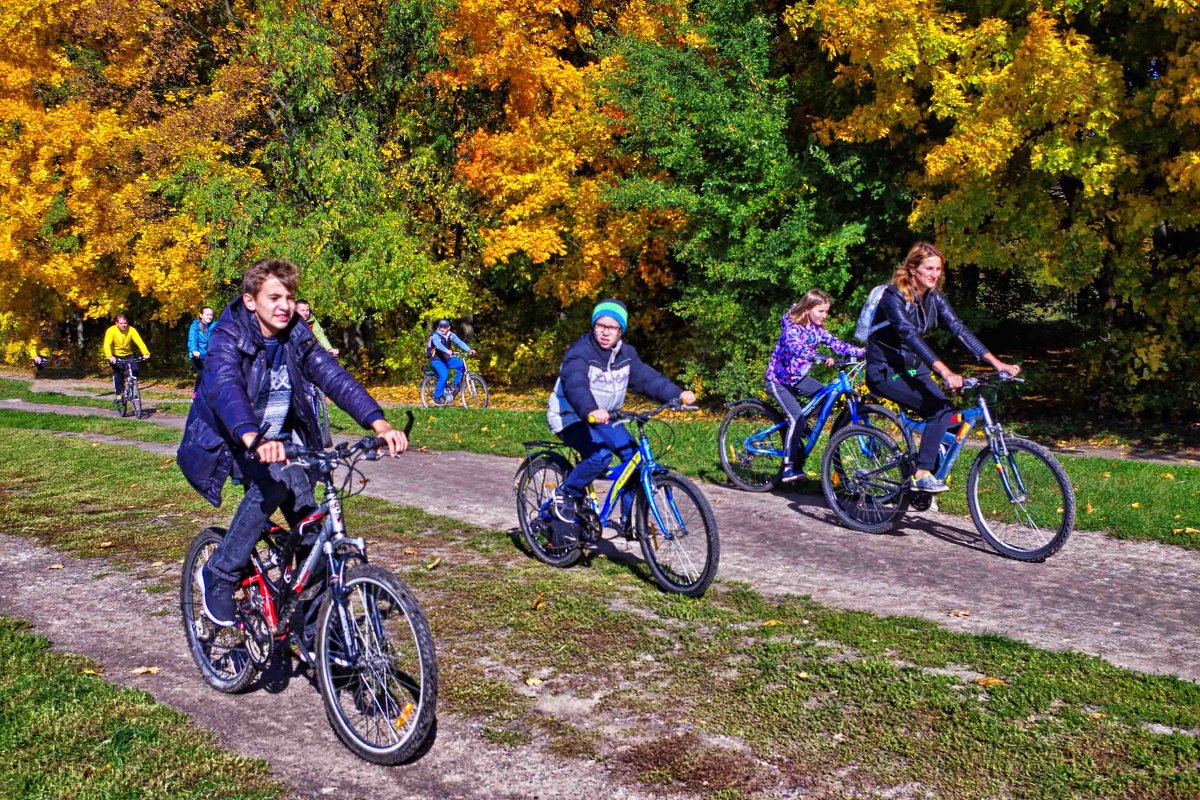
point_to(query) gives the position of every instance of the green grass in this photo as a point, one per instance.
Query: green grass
(108, 425)
(65, 732)
(1167, 497)
(589, 659)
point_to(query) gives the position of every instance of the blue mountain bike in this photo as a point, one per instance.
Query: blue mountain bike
(1021, 499)
(669, 516)
(753, 432)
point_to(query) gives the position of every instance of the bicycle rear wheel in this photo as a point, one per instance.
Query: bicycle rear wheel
(750, 445)
(874, 416)
(376, 667)
(865, 477)
(551, 540)
(1023, 503)
(474, 391)
(221, 653)
(680, 544)
(428, 384)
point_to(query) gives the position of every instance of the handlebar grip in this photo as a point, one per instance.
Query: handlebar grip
(372, 443)
(293, 451)
(688, 408)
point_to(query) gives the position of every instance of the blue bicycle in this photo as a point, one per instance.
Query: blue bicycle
(753, 432)
(1021, 499)
(670, 517)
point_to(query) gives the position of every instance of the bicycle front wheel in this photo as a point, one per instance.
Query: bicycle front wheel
(1022, 503)
(376, 667)
(551, 540)
(322, 409)
(123, 400)
(474, 392)
(750, 445)
(865, 476)
(136, 397)
(221, 653)
(680, 540)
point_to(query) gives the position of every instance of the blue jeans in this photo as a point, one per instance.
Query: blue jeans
(268, 487)
(442, 368)
(597, 444)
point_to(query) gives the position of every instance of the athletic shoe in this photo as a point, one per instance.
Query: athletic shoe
(791, 475)
(565, 506)
(216, 598)
(929, 484)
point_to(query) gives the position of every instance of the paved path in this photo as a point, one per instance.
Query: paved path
(1136, 604)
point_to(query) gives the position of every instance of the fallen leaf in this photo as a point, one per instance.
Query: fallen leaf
(1168, 475)
(145, 670)
(158, 564)
(88, 671)
(989, 682)
(539, 602)
(771, 623)
(56, 566)
(958, 612)
(1090, 508)
(372, 541)
(483, 429)
(532, 681)
(1097, 715)
(408, 551)
(1108, 474)
(433, 564)
(802, 675)
(1135, 505)
(104, 545)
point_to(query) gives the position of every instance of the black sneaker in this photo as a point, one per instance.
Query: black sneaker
(565, 506)
(216, 598)
(790, 474)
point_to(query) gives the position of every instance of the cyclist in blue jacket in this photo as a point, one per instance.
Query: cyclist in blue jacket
(198, 336)
(252, 400)
(440, 349)
(593, 378)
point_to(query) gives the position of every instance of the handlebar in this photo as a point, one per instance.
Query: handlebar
(644, 416)
(368, 445)
(983, 381)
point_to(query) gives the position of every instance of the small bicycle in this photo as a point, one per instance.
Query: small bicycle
(1020, 498)
(670, 516)
(131, 395)
(472, 390)
(753, 433)
(357, 625)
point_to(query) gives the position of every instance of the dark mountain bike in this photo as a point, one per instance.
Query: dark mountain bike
(357, 625)
(131, 395)
(1020, 498)
(753, 433)
(670, 516)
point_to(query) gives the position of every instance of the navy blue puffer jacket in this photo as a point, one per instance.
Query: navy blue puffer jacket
(235, 371)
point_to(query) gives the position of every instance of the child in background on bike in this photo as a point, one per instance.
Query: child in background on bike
(254, 394)
(198, 335)
(305, 311)
(119, 341)
(788, 382)
(593, 378)
(899, 362)
(440, 349)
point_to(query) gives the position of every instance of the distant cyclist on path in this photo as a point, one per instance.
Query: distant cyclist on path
(440, 349)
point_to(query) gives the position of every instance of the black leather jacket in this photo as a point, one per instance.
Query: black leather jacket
(899, 344)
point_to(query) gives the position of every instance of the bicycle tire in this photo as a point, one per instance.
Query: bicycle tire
(122, 401)
(683, 559)
(474, 391)
(751, 472)
(381, 703)
(322, 409)
(551, 540)
(220, 653)
(864, 476)
(875, 416)
(1038, 525)
(136, 397)
(428, 383)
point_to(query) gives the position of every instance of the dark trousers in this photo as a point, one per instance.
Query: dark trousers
(596, 444)
(791, 400)
(917, 393)
(268, 487)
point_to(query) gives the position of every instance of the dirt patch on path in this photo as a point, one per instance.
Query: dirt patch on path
(94, 609)
(1134, 604)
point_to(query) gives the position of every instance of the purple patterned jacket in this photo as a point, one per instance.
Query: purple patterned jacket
(796, 351)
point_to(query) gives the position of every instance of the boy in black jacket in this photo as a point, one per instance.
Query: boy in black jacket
(593, 378)
(254, 389)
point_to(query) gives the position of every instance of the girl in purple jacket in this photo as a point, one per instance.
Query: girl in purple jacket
(788, 381)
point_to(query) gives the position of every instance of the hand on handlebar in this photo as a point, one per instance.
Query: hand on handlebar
(953, 381)
(396, 441)
(272, 451)
(598, 417)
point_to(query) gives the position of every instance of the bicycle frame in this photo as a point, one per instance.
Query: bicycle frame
(961, 425)
(823, 400)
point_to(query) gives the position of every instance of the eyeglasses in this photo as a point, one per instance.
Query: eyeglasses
(601, 328)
